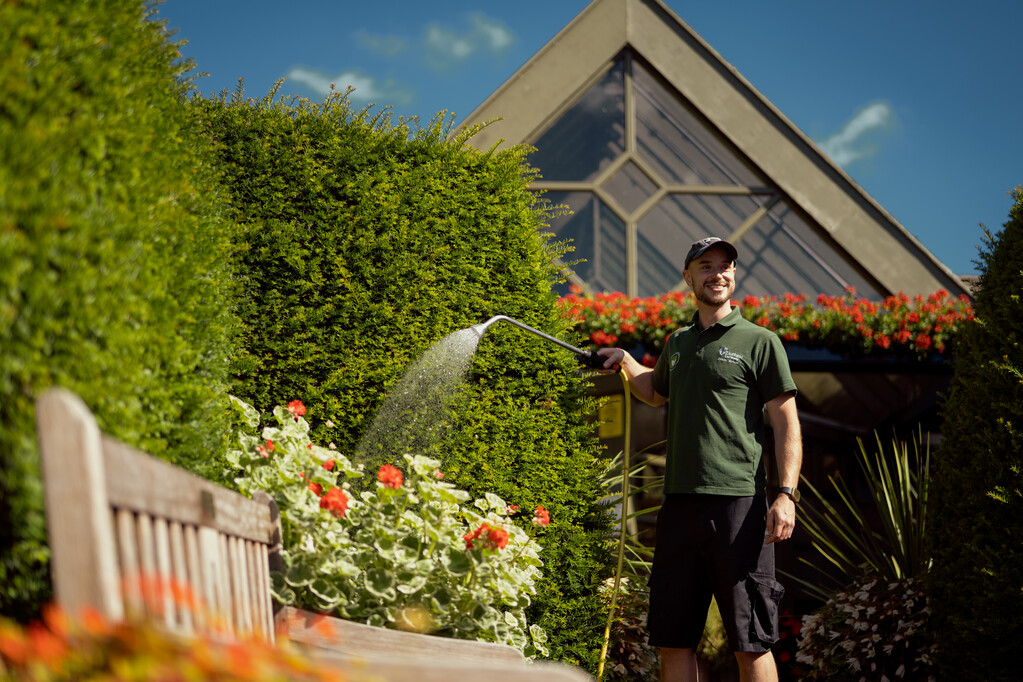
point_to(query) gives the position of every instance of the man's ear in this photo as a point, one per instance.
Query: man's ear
(687, 278)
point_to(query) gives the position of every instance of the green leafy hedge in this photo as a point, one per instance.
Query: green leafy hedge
(977, 525)
(113, 254)
(363, 243)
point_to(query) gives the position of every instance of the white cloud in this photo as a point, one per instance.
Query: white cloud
(441, 47)
(314, 80)
(444, 42)
(368, 89)
(445, 46)
(857, 138)
(496, 37)
(384, 45)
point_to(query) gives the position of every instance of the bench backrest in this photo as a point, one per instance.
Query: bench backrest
(132, 534)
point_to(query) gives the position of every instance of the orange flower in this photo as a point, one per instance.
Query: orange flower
(13, 645)
(296, 408)
(498, 538)
(46, 645)
(486, 537)
(335, 501)
(390, 476)
(542, 517)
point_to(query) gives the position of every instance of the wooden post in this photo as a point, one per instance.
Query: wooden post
(78, 518)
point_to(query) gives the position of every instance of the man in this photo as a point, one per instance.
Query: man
(715, 532)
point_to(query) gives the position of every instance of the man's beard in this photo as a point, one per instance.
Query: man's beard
(713, 298)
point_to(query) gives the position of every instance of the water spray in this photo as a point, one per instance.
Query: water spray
(586, 357)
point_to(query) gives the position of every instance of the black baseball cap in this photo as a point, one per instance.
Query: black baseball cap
(698, 248)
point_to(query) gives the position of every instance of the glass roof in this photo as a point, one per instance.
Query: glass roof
(646, 175)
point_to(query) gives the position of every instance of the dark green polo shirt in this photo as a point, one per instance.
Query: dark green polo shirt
(717, 381)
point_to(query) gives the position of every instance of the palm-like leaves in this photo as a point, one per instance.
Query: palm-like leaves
(897, 482)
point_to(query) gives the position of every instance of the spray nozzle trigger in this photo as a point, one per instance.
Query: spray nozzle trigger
(596, 361)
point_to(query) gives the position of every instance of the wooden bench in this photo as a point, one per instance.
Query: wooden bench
(124, 526)
(119, 521)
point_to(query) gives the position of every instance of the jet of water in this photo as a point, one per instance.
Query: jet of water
(409, 421)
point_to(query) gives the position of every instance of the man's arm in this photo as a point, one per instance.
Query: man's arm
(788, 448)
(640, 378)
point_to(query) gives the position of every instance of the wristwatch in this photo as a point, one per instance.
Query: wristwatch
(791, 492)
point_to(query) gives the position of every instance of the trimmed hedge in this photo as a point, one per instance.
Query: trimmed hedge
(113, 255)
(976, 521)
(363, 243)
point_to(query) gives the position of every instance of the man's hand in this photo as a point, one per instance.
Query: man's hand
(613, 359)
(640, 378)
(781, 519)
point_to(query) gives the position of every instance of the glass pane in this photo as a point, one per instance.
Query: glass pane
(630, 187)
(678, 144)
(610, 275)
(598, 238)
(588, 136)
(665, 234)
(787, 255)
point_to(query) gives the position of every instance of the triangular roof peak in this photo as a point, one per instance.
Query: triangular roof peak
(554, 80)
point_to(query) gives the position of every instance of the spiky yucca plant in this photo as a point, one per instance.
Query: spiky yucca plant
(898, 483)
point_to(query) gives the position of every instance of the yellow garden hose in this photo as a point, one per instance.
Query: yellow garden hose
(624, 518)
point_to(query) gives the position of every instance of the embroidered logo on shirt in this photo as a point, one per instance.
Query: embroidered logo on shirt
(674, 360)
(725, 355)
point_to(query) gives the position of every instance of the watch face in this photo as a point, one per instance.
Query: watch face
(791, 492)
(795, 495)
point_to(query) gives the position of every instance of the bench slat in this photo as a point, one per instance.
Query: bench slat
(357, 639)
(179, 561)
(426, 667)
(141, 482)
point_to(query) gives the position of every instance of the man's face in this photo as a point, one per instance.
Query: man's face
(712, 277)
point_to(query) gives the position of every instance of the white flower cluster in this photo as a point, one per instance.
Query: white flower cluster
(874, 631)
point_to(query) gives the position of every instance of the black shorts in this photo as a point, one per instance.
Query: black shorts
(713, 545)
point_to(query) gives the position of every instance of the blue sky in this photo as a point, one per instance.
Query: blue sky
(918, 101)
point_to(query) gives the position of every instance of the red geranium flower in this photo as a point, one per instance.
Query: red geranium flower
(390, 476)
(542, 517)
(316, 488)
(486, 537)
(329, 465)
(497, 538)
(296, 408)
(335, 501)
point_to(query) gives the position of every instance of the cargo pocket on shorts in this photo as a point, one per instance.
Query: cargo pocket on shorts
(765, 593)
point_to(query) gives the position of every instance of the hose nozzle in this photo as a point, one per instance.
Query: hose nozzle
(587, 358)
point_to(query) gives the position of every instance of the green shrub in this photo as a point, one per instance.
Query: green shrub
(112, 254)
(366, 242)
(976, 525)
